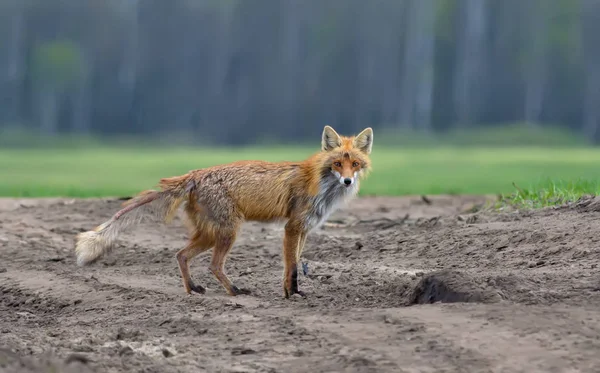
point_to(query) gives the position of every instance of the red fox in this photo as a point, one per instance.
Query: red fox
(218, 199)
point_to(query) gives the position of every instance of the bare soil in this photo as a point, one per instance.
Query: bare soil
(393, 285)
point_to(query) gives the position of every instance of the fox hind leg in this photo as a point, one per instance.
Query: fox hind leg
(197, 245)
(223, 246)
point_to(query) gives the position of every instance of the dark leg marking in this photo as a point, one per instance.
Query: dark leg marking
(294, 284)
(197, 288)
(238, 291)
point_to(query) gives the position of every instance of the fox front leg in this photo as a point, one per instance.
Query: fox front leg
(294, 234)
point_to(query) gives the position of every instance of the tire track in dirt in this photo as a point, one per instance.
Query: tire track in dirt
(507, 351)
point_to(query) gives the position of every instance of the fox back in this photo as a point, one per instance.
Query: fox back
(267, 191)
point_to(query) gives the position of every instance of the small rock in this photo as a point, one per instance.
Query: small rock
(166, 353)
(55, 259)
(202, 331)
(242, 351)
(83, 348)
(77, 358)
(125, 351)
(165, 321)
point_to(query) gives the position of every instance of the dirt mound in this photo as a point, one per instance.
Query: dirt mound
(393, 284)
(449, 286)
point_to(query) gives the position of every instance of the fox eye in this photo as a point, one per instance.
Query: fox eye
(355, 164)
(337, 164)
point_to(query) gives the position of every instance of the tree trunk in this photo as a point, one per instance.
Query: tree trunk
(591, 55)
(291, 68)
(82, 99)
(128, 66)
(469, 58)
(536, 64)
(418, 69)
(426, 72)
(14, 73)
(48, 111)
(410, 64)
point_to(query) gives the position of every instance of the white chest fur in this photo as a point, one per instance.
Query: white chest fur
(331, 195)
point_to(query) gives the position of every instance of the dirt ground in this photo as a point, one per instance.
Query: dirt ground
(393, 285)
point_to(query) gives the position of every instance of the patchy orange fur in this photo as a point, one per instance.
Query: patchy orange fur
(218, 199)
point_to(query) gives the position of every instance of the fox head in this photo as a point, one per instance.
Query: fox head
(347, 157)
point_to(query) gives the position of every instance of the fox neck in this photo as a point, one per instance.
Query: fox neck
(331, 194)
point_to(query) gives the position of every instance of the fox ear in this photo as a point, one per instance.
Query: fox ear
(364, 140)
(330, 139)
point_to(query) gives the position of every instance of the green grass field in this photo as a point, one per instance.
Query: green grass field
(543, 173)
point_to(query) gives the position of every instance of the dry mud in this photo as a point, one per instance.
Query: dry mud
(393, 285)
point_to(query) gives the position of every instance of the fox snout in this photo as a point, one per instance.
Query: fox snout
(346, 180)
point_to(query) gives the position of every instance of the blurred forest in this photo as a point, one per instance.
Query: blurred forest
(239, 71)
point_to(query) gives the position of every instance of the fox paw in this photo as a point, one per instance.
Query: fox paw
(289, 293)
(237, 291)
(195, 288)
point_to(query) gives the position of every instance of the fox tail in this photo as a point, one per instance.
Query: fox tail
(162, 204)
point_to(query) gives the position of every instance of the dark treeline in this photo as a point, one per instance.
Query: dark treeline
(235, 71)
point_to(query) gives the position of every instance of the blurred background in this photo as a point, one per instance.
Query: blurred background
(238, 71)
(233, 73)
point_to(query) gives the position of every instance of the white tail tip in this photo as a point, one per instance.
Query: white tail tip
(89, 247)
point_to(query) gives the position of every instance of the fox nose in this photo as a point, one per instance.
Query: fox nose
(347, 181)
